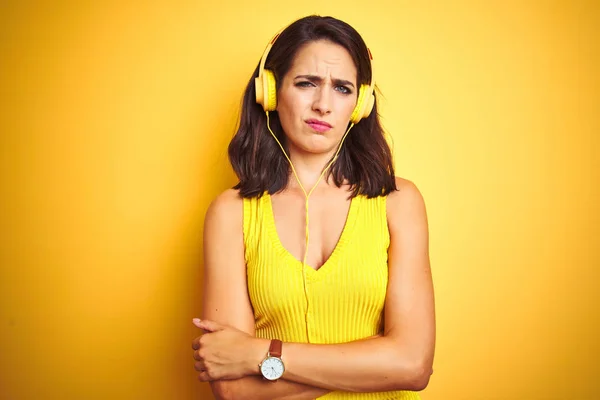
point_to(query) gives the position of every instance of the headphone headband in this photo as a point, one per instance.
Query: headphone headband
(372, 83)
(263, 59)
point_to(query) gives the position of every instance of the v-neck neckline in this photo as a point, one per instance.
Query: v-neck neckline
(337, 250)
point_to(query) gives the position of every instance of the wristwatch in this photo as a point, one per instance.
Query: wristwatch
(272, 366)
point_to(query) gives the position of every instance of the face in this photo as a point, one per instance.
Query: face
(316, 97)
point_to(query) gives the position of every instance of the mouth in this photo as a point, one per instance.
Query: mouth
(319, 126)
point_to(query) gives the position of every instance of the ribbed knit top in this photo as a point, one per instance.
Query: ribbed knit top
(344, 298)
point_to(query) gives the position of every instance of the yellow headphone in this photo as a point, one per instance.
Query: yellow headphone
(266, 89)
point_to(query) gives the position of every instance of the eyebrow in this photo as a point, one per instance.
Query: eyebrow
(318, 79)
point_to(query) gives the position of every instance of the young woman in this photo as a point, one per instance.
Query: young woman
(317, 281)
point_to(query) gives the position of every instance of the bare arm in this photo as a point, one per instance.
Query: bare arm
(255, 388)
(400, 360)
(226, 301)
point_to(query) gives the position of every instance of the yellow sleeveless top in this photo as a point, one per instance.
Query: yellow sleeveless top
(345, 296)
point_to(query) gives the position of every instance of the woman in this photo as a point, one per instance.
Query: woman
(320, 293)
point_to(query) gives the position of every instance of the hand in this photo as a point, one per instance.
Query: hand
(223, 352)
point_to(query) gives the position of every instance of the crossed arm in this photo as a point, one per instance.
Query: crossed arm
(228, 353)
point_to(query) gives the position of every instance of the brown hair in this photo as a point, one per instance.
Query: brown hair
(365, 159)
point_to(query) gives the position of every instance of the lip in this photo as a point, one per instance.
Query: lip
(317, 125)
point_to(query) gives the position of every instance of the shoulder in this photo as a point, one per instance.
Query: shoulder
(225, 212)
(406, 204)
(407, 193)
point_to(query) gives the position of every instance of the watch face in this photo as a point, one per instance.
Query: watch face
(272, 368)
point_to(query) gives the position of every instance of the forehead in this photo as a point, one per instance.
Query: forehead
(323, 57)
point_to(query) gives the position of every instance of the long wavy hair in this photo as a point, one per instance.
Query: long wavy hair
(365, 160)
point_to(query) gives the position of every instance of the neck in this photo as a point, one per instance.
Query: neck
(309, 168)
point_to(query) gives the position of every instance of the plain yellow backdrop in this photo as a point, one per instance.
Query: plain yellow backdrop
(114, 123)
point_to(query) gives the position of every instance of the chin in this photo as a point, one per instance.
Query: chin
(319, 149)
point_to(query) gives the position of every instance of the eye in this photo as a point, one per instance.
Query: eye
(304, 84)
(343, 89)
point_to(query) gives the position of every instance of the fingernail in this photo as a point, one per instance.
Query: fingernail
(196, 321)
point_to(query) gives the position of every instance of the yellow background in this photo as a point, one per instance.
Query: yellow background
(114, 122)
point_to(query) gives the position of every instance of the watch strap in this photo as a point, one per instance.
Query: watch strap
(275, 348)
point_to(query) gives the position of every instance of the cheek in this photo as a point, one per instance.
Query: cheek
(350, 107)
(288, 109)
(347, 107)
(285, 112)
(292, 102)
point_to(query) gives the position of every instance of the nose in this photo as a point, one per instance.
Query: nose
(322, 100)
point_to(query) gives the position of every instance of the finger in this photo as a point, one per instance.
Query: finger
(204, 377)
(196, 343)
(197, 356)
(210, 326)
(199, 366)
(196, 321)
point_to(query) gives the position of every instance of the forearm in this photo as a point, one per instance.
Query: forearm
(256, 388)
(377, 364)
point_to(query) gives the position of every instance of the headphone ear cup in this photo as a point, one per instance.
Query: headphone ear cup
(370, 102)
(259, 90)
(364, 104)
(270, 90)
(266, 90)
(361, 103)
